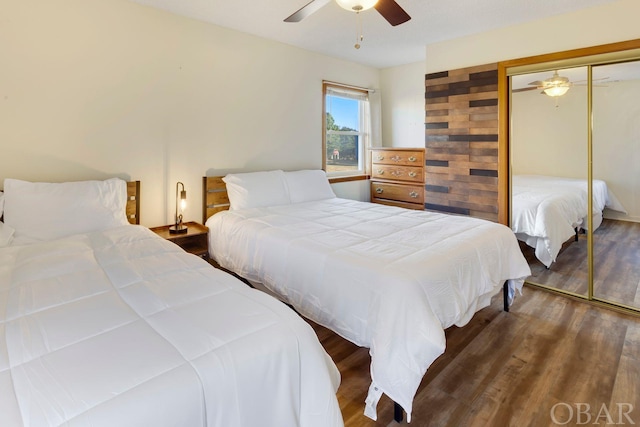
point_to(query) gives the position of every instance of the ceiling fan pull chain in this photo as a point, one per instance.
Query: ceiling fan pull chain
(359, 36)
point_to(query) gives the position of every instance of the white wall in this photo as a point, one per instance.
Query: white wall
(97, 88)
(616, 144)
(553, 141)
(607, 23)
(547, 139)
(403, 104)
(403, 86)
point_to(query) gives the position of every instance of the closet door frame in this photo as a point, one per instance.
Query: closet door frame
(596, 55)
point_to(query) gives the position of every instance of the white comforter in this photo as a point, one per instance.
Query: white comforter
(545, 210)
(122, 328)
(383, 277)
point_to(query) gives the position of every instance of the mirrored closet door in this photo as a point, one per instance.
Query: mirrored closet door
(549, 157)
(573, 138)
(616, 182)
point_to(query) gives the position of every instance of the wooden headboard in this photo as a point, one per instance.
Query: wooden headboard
(133, 202)
(214, 196)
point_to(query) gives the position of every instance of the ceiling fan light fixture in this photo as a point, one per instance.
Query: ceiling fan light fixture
(555, 91)
(356, 5)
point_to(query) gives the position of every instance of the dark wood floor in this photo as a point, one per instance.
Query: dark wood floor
(616, 264)
(510, 369)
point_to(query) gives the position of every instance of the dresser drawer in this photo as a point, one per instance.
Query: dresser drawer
(398, 173)
(397, 177)
(398, 157)
(404, 193)
(406, 205)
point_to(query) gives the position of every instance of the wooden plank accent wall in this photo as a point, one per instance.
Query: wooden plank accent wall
(461, 140)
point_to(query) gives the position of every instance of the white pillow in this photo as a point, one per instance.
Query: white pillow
(256, 189)
(308, 185)
(45, 211)
(6, 234)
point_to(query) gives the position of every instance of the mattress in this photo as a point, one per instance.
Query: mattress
(546, 210)
(383, 277)
(123, 328)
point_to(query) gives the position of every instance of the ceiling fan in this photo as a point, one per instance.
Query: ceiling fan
(554, 86)
(389, 9)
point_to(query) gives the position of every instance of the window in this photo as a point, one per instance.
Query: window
(346, 130)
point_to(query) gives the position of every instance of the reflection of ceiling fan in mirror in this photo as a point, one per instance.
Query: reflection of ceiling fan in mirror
(555, 85)
(389, 9)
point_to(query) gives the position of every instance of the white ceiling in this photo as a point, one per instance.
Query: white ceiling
(332, 30)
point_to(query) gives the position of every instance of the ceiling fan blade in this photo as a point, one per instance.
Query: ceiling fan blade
(593, 80)
(306, 10)
(392, 12)
(524, 89)
(536, 83)
(593, 85)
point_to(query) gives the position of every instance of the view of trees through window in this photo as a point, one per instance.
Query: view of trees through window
(346, 128)
(342, 146)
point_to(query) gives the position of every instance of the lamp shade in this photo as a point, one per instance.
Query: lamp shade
(183, 200)
(555, 91)
(357, 5)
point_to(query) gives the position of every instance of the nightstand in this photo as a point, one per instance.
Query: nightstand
(193, 241)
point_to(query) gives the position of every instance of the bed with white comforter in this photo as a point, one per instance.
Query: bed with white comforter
(383, 277)
(547, 210)
(119, 327)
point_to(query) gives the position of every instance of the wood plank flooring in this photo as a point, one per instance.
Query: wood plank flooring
(510, 369)
(616, 267)
(616, 264)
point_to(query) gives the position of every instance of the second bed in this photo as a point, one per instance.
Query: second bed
(383, 277)
(546, 211)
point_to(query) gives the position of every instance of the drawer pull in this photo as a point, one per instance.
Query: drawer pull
(380, 171)
(396, 158)
(412, 174)
(379, 157)
(379, 190)
(414, 195)
(412, 159)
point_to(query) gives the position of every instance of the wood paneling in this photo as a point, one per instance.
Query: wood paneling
(461, 141)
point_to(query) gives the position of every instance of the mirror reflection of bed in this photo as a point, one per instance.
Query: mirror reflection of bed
(549, 173)
(547, 142)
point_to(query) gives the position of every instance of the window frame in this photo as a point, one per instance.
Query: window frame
(365, 137)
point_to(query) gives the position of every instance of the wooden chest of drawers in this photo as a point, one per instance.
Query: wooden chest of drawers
(397, 177)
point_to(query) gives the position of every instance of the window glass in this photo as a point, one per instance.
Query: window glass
(345, 127)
